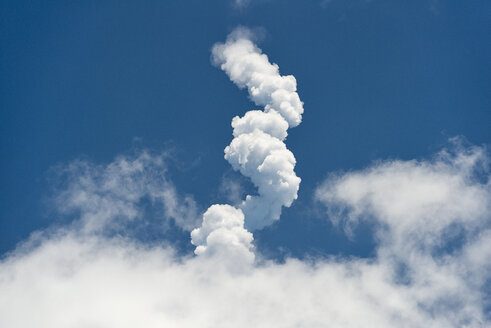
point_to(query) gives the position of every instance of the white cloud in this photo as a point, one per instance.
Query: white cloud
(418, 199)
(222, 236)
(257, 150)
(75, 279)
(430, 268)
(434, 220)
(249, 68)
(241, 3)
(111, 195)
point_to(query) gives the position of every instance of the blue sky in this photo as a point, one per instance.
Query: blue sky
(386, 87)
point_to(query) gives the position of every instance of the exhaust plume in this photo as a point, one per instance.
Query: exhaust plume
(257, 150)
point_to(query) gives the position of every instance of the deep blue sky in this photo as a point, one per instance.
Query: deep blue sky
(94, 79)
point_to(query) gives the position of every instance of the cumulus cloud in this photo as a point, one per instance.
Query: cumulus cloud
(249, 68)
(257, 150)
(69, 278)
(417, 199)
(222, 236)
(434, 220)
(73, 282)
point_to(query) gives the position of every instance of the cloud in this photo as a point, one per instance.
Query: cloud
(257, 150)
(249, 68)
(419, 199)
(72, 278)
(111, 195)
(432, 222)
(241, 3)
(222, 237)
(232, 188)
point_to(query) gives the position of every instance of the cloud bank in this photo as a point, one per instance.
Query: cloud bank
(431, 267)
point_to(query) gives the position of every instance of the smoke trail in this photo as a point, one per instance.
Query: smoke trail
(257, 150)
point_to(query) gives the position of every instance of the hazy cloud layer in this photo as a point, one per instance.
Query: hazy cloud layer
(241, 3)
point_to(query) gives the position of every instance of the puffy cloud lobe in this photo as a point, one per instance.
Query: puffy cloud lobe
(247, 67)
(270, 165)
(271, 123)
(222, 234)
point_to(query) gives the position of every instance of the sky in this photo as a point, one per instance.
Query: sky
(258, 163)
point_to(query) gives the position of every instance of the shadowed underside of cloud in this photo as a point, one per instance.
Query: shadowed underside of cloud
(430, 270)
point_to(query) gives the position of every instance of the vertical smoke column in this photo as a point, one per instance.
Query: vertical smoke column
(257, 150)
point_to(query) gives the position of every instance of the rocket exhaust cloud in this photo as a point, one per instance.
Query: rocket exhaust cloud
(257, 150)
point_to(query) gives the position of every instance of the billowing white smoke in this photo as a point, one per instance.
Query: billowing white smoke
(247, 67)
(257, 150)
(222, 235)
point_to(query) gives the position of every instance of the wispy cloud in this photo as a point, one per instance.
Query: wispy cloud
(111, 196)
(241, 3)
(434, 220)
